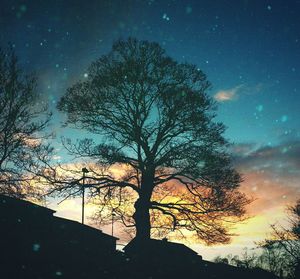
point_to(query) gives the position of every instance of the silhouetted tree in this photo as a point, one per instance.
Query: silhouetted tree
(270, 259)
(286, 240)
(22, 120)
(246, 259)
(154, 118)
(222, 260)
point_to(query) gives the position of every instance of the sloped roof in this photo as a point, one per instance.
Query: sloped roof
(159, 245)
(79, 226)
(22, 207)
(22, 204)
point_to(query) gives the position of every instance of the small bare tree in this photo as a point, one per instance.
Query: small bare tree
(23, 119)
(286, 240)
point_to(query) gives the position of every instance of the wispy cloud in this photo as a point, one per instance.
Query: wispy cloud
(228, 94)
(231, 94)
(271, 174)
(282, 159)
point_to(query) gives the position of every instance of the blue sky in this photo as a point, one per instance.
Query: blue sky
(247, 46)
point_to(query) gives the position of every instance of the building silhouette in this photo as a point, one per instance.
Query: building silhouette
(162, 259)
(36, 244)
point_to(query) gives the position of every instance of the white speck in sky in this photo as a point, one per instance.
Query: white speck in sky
(36, 247)
(165, 17)
(260, 108)
(188, 9)
(284, 118)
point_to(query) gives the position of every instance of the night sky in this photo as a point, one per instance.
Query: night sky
(248, 49)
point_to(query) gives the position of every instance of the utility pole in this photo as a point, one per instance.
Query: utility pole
(112, 222)
(84, 171)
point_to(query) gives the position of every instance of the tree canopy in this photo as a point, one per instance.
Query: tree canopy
(153, 117)
(23, 119)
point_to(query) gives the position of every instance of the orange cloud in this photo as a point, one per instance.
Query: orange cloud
(227, 95)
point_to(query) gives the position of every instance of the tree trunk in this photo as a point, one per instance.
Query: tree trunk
(142, 219)
(142, 207)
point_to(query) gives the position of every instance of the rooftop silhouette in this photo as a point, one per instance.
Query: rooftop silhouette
(37, 244)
